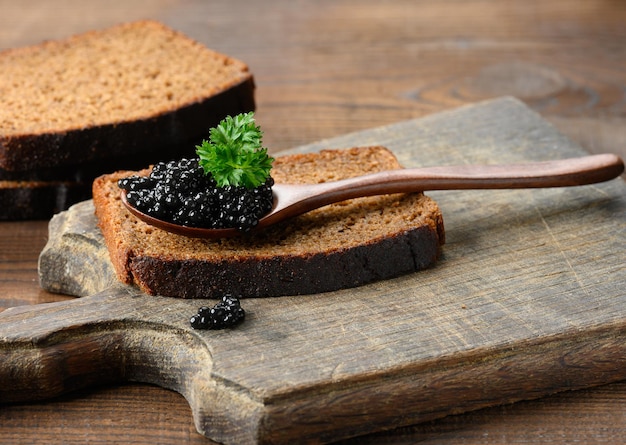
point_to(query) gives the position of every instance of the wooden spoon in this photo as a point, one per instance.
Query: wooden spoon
(295, 199)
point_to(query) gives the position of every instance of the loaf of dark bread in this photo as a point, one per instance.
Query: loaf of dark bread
(338, 246)
(107, 100)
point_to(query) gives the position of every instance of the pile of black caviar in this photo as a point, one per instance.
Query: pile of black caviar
(225, 314)
(181, 192)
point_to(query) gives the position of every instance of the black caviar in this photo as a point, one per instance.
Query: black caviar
(225, 314)
(182, 193)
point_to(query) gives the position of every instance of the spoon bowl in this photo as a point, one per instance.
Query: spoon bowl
(295, 199)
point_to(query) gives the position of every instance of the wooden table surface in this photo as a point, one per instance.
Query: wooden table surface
(324, 68)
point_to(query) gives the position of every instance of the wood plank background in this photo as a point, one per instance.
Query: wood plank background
(325, 68)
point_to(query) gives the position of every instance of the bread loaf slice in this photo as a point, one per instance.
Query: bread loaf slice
(38, 200)
(338, 246)
(108, 100)
(131, 88)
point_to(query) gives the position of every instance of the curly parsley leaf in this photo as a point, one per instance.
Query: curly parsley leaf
(233, 155)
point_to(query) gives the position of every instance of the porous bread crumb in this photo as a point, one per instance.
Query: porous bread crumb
(124, 73)
(332, 230)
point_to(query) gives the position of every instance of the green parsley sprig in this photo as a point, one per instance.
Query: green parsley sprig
(233, 155)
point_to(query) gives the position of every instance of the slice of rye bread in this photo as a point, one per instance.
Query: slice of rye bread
(131, 88)
(338, 246)
(107, 100)
(38, 200)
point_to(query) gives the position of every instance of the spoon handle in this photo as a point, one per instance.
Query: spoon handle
(559, 173)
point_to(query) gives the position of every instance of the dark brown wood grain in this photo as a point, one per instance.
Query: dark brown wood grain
(324, 69)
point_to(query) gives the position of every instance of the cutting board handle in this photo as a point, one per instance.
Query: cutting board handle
(52, 349)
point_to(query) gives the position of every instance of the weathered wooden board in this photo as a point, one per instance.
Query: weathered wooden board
(528, 299)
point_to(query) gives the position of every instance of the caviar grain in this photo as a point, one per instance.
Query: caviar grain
(225, 314)
(182, 193)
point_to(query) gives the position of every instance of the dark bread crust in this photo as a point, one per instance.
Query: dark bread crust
(295, 275)
(340, 246)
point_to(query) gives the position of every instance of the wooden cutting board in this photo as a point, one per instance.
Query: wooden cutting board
(528, 299)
